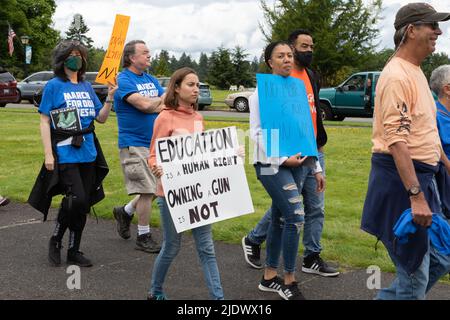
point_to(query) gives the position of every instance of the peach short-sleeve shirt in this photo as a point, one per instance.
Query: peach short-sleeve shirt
(405, 111)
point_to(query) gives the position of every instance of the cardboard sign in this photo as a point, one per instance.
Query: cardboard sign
(203, 177)
(111, 62)
(285, 116)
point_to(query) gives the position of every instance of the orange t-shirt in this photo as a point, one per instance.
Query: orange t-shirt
(302, 75)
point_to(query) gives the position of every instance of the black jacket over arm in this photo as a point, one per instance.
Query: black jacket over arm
(47, 182)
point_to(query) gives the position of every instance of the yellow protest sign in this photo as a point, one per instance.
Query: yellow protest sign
(111, 62)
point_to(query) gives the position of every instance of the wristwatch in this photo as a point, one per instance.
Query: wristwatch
(414, 190)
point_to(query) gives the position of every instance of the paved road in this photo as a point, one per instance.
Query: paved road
(120, 272)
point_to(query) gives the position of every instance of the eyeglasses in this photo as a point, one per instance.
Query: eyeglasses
(432, 25)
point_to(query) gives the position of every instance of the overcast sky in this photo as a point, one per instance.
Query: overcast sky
(201, 25)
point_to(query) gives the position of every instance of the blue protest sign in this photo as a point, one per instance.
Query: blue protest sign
(285, 116)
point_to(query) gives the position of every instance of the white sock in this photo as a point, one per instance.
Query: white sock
(143, 229)
(129, 208)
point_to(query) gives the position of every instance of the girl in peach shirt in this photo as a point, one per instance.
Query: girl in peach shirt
(180, 117)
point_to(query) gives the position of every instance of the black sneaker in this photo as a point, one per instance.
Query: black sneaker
(156, 297)
(146, 243)
(78, 259)
(123, 221)
(291, 292)
(3, 201)
(314, 264)
(54, 252)
(271, 285)
(252, 253)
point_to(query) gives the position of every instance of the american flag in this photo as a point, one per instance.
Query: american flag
(11, 35)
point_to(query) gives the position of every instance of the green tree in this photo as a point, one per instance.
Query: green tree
(95, 59)
(262, 66)
(254, 66)
(221, 70)
(173, 64)
(186, 61)
(433, 61)
(32, 18)
(161, 65)
(78, 30)
(343, 30)
(242, 74)
(377, 60)
(203, 67)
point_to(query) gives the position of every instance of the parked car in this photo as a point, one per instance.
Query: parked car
(353, 98)
(204, 98)
(37, 86)
(28, 86)
(239, 100)
(8, 88)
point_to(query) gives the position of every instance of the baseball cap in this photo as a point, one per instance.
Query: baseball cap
(418, 12)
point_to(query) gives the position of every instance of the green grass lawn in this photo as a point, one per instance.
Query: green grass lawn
(219, 98)
(347, 160)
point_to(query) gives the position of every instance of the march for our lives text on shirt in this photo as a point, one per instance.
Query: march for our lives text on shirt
(82, 101)
(147, 89)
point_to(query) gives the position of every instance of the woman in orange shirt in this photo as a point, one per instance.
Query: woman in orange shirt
(180, 116)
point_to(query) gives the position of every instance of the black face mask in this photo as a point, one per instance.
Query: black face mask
(304, 59)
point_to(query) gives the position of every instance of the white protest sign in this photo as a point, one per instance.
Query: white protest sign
(203, 177)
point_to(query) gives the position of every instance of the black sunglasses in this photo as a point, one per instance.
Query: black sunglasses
(432, 25)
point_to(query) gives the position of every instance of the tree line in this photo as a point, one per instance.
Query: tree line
(344, 33)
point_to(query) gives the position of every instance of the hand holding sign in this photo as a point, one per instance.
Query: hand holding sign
(295, 161)
(157, 171)
(204, 178)
(112, 88)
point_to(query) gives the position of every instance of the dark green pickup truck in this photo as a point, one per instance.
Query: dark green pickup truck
(353, 98)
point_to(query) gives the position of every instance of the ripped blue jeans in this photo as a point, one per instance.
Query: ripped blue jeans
(288, 215)
(314, 214)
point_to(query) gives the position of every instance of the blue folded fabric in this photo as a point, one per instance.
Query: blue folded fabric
(439, 231)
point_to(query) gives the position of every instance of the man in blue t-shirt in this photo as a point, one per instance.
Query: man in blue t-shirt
(137, 102)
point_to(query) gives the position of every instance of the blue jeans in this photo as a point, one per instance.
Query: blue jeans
(314, 215)
(171, 246)
(414, 286)
(287, 218)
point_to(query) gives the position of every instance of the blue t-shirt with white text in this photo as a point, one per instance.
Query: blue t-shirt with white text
(61, 94)
(135, 126)
(443, 123)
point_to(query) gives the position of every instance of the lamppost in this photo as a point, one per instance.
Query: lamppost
(25, 40)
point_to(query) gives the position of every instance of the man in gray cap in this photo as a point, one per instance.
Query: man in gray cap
(405, 156)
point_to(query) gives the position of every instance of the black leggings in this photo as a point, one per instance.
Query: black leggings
(77, 180)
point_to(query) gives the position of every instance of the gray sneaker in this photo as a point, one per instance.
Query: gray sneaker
(123, 222)
(146, 243)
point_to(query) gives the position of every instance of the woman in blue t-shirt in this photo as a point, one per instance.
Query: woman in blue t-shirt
(67, 110)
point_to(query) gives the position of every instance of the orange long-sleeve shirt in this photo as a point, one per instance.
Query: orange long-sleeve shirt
(171, 122)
